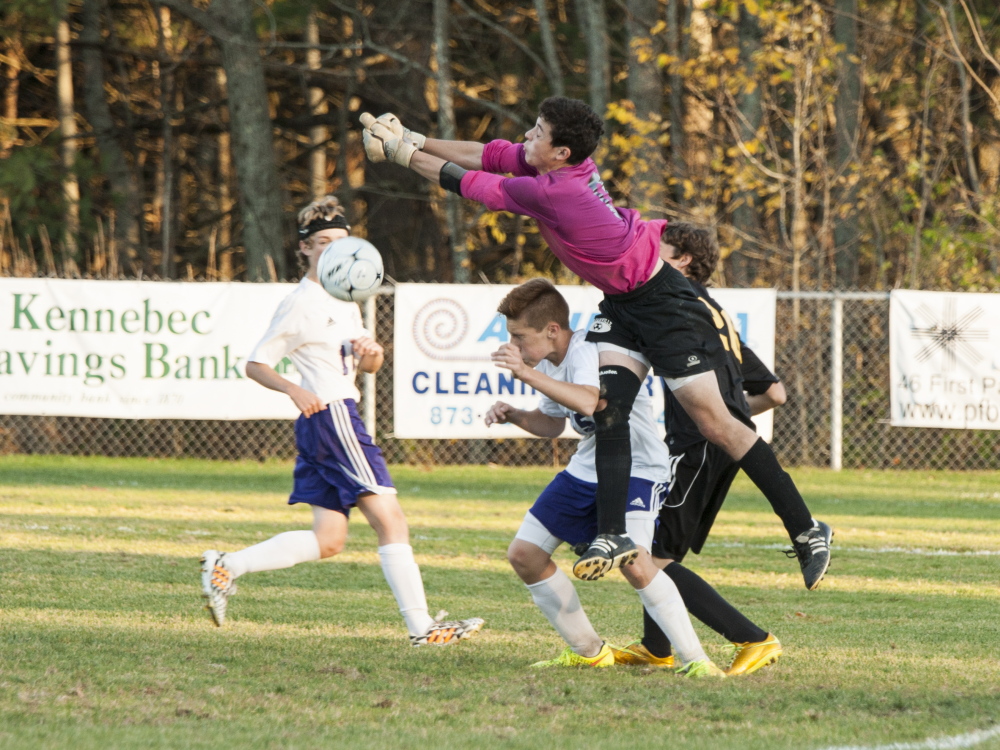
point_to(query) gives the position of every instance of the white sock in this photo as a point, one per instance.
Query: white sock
(664, 603)
(282, 551)
(403, 576)
(556, 597)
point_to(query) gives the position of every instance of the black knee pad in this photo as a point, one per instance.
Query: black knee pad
(619, 387)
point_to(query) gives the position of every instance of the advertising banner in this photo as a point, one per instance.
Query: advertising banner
(944, 359)
(444, 380)
(136, 349)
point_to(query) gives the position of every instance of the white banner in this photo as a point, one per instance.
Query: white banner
(136, 349)
(444, 380)
(944, 359)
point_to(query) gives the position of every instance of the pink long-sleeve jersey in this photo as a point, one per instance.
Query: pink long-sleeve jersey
(610, 247)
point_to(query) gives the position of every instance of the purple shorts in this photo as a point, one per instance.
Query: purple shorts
(337, 461)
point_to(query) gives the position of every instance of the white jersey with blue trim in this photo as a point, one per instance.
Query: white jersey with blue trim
(314, 330)
(650, 458)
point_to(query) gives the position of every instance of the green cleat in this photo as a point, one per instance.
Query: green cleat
(700, 669)
(569, 658)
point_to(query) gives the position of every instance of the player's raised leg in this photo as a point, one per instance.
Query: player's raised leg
(701, 399)
(621, 376)
(219, 570)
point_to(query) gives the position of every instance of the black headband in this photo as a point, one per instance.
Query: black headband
(318, 225)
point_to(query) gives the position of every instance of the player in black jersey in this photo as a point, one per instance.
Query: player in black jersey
(666, 326)
(703, 473)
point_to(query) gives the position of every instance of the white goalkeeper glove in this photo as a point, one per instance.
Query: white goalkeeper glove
(381, 144)
(398, 129)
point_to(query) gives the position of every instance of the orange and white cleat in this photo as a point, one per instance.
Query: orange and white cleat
(217, 584)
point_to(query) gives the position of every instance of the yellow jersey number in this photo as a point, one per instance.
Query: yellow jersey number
(727, 331)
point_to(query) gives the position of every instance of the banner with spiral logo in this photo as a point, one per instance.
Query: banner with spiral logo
(444, 380)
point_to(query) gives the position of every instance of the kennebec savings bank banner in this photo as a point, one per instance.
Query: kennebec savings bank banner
(444, 380)
(945, 359)
(135, 349)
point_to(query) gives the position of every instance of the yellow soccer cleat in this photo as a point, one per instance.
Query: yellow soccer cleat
(699, 669)
(749, 657)
(569, 658)
(637, 655)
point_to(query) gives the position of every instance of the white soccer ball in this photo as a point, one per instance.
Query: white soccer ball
(350, 269)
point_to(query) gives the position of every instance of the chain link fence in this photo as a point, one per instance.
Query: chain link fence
(806, 429)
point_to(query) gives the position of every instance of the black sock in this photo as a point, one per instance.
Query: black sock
(761, 465)
(613, 461)
(654, 639)
(705, 603)
(613, 452)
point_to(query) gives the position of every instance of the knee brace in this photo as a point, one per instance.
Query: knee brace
(619, 387)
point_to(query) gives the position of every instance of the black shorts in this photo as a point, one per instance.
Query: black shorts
(702, 477)
(664, 320)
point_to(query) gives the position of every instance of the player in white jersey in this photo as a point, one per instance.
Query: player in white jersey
(338, 465)
(546, 354)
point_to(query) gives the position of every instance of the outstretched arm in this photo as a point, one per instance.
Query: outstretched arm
(466, 154)
(429, 166)
(532, 421)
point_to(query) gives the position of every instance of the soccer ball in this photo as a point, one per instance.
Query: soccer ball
(350, 269)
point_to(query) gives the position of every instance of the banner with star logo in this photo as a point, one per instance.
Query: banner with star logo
(944, 360)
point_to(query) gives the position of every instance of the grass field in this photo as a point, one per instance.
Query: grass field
(103, 642)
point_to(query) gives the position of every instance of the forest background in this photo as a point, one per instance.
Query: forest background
(846, 144)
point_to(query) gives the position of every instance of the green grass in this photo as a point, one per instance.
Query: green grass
(103, 642)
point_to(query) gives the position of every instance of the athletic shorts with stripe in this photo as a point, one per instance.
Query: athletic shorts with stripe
(666, 322)
(566, 511)
(702, 477)
(337, 460)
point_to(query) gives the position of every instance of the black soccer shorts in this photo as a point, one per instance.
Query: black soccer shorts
(702, 477)
(666, 322)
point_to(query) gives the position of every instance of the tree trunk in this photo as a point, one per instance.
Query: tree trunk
(252, 139)
(972, 172)
(231, 25)
(554, 73)
(67, 129)
(165, 177)
(676, 83)
(698, 116)
(846, 109)
(400, 218)
(126, 195)
(645, 90)
(318, 135)
(446, 126)
(745, 218)
(593, 23)
(12, 85)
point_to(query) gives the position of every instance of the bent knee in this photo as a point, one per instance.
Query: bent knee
(330, 547)
(517, 556)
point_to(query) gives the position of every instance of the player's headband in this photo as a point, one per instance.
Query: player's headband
(318, 225)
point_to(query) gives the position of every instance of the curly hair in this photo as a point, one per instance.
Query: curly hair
(700, 244)
(322, 208)
(538, 303)
(574, 125)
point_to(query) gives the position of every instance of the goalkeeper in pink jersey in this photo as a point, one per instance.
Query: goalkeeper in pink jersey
(650, 315)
